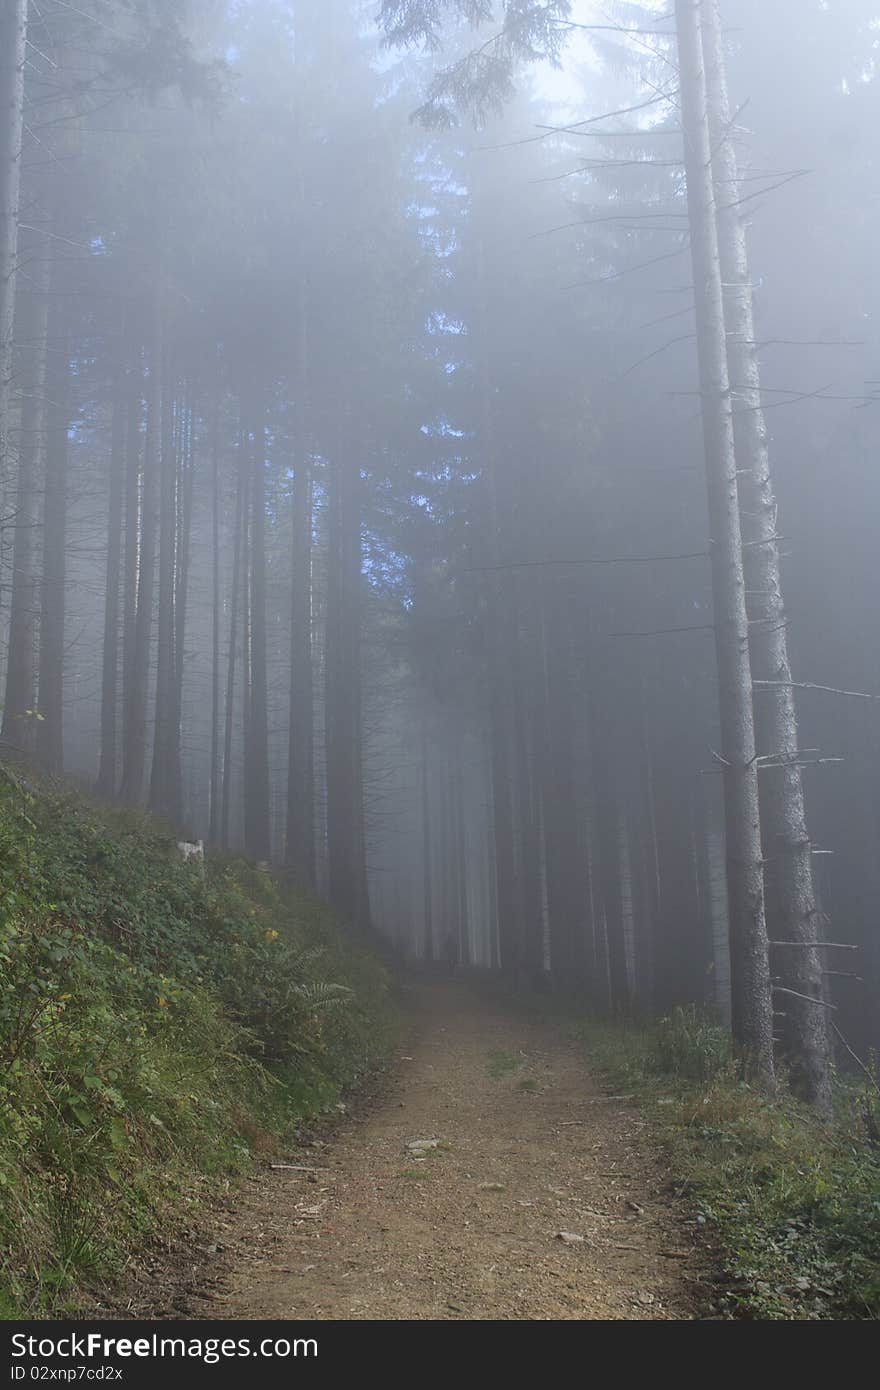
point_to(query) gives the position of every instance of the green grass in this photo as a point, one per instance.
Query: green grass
(502, 1063)
(792, 1204)
(156, 1030)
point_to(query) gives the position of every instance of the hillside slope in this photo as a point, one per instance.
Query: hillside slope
(156, 1024)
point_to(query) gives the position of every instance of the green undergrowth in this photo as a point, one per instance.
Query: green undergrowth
(791, 1204)
(158, 1027)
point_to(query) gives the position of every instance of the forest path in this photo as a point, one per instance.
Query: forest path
(530, 1147)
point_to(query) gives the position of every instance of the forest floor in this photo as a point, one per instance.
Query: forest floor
(541, 1199)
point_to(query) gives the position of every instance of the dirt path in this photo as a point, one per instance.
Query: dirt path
(529, 1148)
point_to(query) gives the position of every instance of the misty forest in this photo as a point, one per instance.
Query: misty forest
(439, 659)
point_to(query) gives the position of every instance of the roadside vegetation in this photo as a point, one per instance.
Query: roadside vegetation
(791, 1204)
(158, 1025)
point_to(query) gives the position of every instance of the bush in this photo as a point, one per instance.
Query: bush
(793, 1203)
(691, 1045)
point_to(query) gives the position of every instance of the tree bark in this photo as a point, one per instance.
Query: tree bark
(106, 784)
(50, 727)
(134, 764)
(13, 36)
(345, 809)
(257, 824)
(186, 482)
(230, 664)
(214, 809)
(132, 543)
(792, 908)
(163, 798)
(300, 839)
(20, 698)
(427, 877)
(750, 973)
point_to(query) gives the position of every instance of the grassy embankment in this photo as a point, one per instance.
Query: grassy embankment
(791, 1204)
(155, 1028)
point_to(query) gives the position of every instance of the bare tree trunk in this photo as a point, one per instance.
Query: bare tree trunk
(607, 819)
(186, 480)
(300, 841)
(134, 763)
(300, 838)
(162, 780)
(461, 862)
(214, 823)
(565, 883)
(257, 827)
(750, 972)
(106, 784)
(230, 666)
(301, 757)
(13, 36)
(50, 729)
(20, 701)
(427, 883)
(132, 543)
(526, 704)
(345, 794)
(792, 908)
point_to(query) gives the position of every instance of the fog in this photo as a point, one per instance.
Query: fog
(354, 486)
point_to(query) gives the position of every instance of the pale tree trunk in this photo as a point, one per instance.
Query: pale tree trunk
(564, 878)
(607, 820)
(135, 754)
(162, 790)
(461, 860)
(427, 885)
(752, 1007)
(344, 735)
(132, 542)
(792, 908)
(186, 481)
(506, 895)
(257, 826)
(525, 801)
(106, 784)
(214, 828)
(20, 699)
(300, 849)
(13, 31)
(229, 714)
(50, 728)
(300, 841)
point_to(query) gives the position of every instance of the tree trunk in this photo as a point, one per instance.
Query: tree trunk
(750, 973)
(214, 810)
(13, 34)
(186, 481)
(106, 784)
(301, 755)
(163, 799)
(20, 700)
(607, 822)
(257, 826)
(427, 884)
(132, 543)
(565, 882)
(134, 763)
(230, 664)
(50, 728)
(792, 909)
(345, 824)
